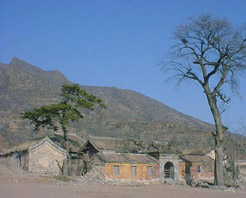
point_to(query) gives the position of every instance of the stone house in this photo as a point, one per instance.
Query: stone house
(114, 159)
(125, 167)
(46, 158)
(44, 155)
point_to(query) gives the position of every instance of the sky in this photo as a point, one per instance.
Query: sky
(116, 43)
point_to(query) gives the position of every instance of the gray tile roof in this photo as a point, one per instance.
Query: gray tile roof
(197, 159)
(127, 158)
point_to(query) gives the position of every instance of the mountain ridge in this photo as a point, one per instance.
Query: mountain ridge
(129, 113)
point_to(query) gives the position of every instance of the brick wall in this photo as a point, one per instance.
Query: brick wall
(125, 171)
(181, 172)
(205, 172)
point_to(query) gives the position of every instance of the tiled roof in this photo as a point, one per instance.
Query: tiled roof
(127, 158)
(197, 159)
(47, 140)
(74, 143)
(115, 144)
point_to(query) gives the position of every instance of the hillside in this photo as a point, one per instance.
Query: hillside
(128, 114)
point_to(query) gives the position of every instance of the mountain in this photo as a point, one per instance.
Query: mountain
(128, 113)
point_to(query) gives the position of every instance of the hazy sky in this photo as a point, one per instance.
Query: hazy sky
(116, 43)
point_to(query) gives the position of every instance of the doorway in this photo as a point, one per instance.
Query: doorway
(169, 170)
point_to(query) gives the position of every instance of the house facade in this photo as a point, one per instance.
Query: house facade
(125, 166)
(46, 158)
(186, 169)
(199, 168)
(119, 160)
(176, 167)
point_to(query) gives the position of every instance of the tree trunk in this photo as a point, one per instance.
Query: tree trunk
(218, 138)
(219, 175)
(66, 163)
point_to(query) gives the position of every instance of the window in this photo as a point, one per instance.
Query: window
(199, 169)
(149, 170)
(134, 170)
(116, 170)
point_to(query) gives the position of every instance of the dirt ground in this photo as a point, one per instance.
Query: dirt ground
(15, 183)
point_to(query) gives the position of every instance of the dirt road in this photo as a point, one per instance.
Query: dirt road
(17, 190)
(15, 184)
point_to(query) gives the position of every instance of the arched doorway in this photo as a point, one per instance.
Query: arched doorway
(169, 170)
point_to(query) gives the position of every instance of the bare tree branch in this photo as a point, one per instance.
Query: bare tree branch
(213, 53)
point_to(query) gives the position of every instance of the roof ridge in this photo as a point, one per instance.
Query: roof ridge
(196, 155)
(37, 138)
(69, 134)
(142, 154)
(50, 141)
(101, 137)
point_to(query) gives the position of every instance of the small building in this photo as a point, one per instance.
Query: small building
(46, 158)
(130, 166)
(198, 168)
(178, 168)
(171, 165)
(44, 155)
(119, 159)
(125, 167)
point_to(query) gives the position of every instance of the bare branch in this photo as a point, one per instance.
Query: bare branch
(211, 52)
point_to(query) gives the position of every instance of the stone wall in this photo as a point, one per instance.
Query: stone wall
(46, 159)
(240, 166)
(18, 159)
(174, 159)
(96, 174)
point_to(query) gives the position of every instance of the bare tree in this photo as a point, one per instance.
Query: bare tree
(212, 53)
